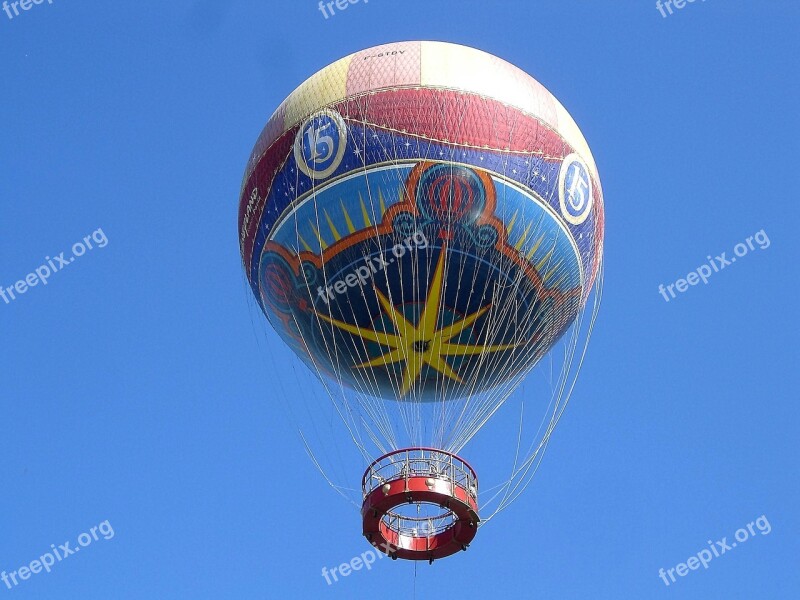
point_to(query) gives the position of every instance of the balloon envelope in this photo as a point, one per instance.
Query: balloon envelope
(421, 221)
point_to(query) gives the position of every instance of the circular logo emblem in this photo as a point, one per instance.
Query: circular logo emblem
(574, 189)
(320, 143)
(450, 193)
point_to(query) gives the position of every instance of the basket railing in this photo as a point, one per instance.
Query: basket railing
(420, 462)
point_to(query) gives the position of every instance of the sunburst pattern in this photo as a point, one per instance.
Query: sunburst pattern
(422, 343)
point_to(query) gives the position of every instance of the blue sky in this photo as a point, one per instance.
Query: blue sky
(141, 387)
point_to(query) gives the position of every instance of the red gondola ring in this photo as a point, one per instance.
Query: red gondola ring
(422, 477)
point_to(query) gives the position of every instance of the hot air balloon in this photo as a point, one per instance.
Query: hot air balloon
(420, 222)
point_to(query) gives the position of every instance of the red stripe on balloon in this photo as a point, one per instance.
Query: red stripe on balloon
(474, 120)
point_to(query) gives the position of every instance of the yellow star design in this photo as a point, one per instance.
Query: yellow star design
(422, 343)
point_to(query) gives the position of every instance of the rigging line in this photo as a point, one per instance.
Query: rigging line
(487, 395)
(355, 435)
(346, 407)
(529, 457)
(416, 389)
(410, 410)
(551, 407)
(441, 396)
(362, 401)
(322, 471)
(535, 456)
(446, 383)
(526, 466)
(334, 358)
(543, 444)
(365, 386)
(498, 320)
(439, 402)
(516, 453)
(404, 405)
(492, 331)
(351, 411)
(520, 482)
(368, 379)
(440, 388)
(470, 396)
(361, 398)
(558, 393)
(284, 393)
(382, 249)
(409, 403)
(517, 364)
(495, 322)
(390, 372)
(491, 401)
(443, 384)
(463, 109)
(511, 366)
(526, 370)
(364, 389)
(477, 369)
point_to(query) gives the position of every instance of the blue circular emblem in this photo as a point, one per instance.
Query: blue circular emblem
(320, 143)
(574, 190)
